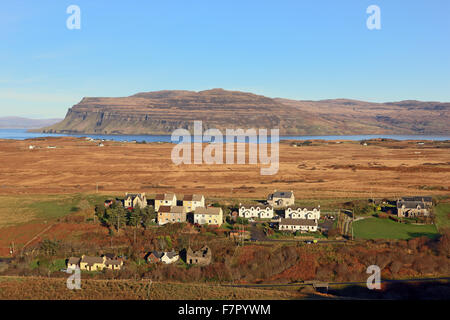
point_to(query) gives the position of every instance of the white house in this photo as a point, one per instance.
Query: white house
(307, 225)
(302, 213)
(170, 257)
(256, 211)
(211, 215)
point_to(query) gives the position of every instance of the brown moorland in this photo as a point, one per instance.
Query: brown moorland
(320, 170)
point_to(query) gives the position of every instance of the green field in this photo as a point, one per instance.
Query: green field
(375, 228)
(22, 209)
(442, 212)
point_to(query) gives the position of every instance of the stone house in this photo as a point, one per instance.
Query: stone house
(201, 257)
(256, 211)
(193, 201)
(165, 199)
(410, 207)
(306, 225)
(173, 214)
(210, 215)
(281, 199)
(302, 213)
(134, 200)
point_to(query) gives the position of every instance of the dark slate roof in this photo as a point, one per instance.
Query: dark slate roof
(282, 194)
(417, 199)
(298, 222)
(171, 254)
(157, 254)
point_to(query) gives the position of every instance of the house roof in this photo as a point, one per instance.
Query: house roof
(113, 262)
(302, 208)
(92, 260)
(165, 196)
(74, 260)
(164, 209)
(192, 197)
(171, 254)
(209, 210)
(417, 199)
(411, 204)
(157, 254)
(261, 206)
(298, 222)
(177, 209)
(282, 194)
(135, 195)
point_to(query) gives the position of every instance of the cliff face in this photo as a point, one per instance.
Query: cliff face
(162, 112)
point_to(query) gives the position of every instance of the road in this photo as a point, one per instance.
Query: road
(297, 284)
(257, 234)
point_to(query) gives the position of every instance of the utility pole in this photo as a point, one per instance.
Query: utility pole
(353, 219)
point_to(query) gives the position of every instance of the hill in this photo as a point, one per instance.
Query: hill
(162, 112)
(25, 123)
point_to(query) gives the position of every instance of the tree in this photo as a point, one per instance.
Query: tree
(117, 217)
(148, 214)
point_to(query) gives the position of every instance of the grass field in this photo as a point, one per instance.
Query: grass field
(442, 212)
(55, 289)
(375, 228)
(18, 209)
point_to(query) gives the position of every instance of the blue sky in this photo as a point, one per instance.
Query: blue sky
(293, 49)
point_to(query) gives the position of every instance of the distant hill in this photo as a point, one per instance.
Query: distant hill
(162, 112)
(25, 123)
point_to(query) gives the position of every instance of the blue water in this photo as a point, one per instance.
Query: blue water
(22, 134)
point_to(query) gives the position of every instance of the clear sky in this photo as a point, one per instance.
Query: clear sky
(292, 49)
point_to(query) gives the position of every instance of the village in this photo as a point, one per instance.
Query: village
(278, 213)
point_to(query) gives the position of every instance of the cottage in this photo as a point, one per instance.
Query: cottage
(211, 215)
(165, 199)
(174, 214)
(307, 225)
(170, 257)
(193, 201)
(281, 199)
(410, 207)
(200, 257)
(154, 256)
(113, 264)
(73, 263)
(99, 263)
(256, 211)
(134, 200)
(302, 213)
(92, 263)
